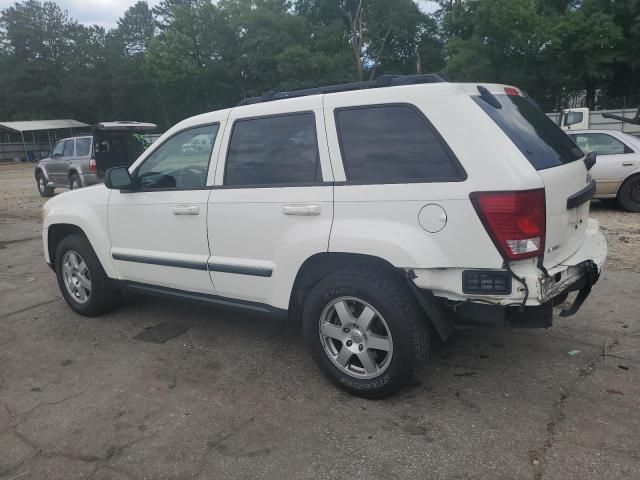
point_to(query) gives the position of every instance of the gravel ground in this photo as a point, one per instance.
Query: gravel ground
(235, 396)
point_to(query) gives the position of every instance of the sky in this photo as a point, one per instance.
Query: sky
(106, 12)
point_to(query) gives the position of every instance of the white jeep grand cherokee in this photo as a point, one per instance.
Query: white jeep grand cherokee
(381, 213)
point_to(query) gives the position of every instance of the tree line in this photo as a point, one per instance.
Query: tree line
(184, 57)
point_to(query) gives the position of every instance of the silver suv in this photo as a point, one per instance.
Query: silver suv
(74, 161)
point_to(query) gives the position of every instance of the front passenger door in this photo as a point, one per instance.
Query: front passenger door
(159, 231)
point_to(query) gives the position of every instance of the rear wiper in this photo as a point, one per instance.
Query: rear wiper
(489, 97)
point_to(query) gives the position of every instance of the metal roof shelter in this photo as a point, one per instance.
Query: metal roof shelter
(36, 129)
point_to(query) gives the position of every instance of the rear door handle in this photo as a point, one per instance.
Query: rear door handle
(186, 210)
(628, 164)
(304, 210)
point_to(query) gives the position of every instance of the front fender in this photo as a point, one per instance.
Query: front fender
(86, 209)
(42, 168)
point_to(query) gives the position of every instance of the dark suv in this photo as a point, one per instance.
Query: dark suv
(73, 165)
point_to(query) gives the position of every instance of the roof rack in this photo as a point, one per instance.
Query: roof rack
(381, 81)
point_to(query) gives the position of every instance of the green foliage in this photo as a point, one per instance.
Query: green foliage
(184, 57)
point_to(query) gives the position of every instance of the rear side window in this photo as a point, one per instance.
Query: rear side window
(601, 143)
(68, 148)
(273, 150)
(83, 146)
(393, 144)
(539, 139)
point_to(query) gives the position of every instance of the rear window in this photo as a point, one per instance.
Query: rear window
(539, 139)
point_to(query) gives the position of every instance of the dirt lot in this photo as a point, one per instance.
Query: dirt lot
(237, 397)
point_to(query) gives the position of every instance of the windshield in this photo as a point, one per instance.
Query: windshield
(540, 140)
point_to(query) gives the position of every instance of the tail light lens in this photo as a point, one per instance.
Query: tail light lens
(515, 221)
(93, 167)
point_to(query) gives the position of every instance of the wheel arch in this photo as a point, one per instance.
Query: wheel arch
(40, 170)
(631, 176)
(58, 231)
(318, 266)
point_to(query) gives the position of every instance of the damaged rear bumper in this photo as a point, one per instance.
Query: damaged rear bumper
(529, 306)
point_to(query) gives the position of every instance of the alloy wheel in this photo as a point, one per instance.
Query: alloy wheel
(77, 279)
(355, 337)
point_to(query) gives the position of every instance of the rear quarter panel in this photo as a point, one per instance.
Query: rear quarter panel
(382, 220)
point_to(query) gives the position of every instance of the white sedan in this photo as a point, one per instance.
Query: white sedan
(617, 169)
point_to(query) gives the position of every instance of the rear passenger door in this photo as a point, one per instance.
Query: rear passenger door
(271, 206)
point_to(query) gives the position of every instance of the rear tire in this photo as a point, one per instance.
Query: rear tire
(74, 182)
(41, 182)
(366, 314)
(81, 278)
(629, 194)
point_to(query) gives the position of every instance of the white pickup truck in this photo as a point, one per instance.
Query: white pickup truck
(379, 214)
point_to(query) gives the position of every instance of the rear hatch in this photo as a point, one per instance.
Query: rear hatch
(119, 143)
(559, 162)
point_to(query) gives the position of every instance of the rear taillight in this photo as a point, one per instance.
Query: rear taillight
(93, 168)
(515, 221)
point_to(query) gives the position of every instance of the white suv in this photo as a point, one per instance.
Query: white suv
(381, 213)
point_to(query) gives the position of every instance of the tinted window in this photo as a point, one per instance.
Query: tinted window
(271, 150)
(68, 149)
(601, 143)
(182, 162)
(59, 150)
(573, 118)
(390, 144)
(539, 139)
(83, 145)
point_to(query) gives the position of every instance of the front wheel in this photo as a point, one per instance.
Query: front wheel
(81, 278)
(629, 194)
(41, 181)
(365, 331)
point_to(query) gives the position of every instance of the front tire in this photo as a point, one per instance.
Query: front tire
(365, 331)
(629, 194)
(41, 182)
(81, 278)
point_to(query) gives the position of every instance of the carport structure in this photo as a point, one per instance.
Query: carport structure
(34, 139)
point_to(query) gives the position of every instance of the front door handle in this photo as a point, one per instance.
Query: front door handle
(304, 210)
(186, 210)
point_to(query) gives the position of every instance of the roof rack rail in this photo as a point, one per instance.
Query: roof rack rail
(381, 81)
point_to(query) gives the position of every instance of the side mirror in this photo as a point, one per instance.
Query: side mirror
(56, 155)
(118, 178)
(590, 160)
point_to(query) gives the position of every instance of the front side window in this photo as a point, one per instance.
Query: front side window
(182, 162)
(601, 143)
(58, 151)
(392, 144)
(273, 150)
(83, 146)
(68, 149)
